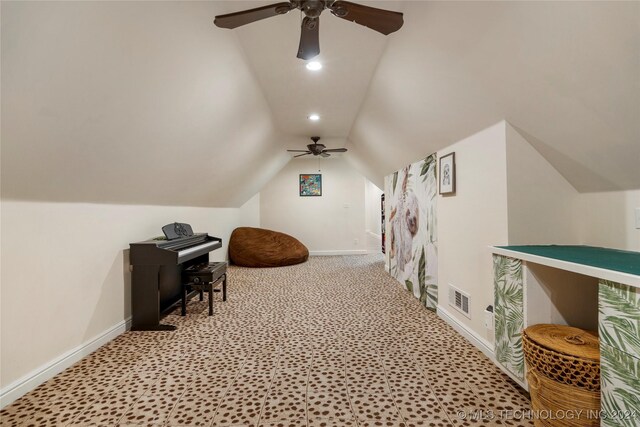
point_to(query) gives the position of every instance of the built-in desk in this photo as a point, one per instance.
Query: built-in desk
(583, 286)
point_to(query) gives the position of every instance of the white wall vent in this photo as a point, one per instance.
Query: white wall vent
(459, 300)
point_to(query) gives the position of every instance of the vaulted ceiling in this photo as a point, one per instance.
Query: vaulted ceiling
(349, 54)
(150, 103)
(566, 74)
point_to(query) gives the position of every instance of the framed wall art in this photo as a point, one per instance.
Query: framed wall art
(310, 184)
(447, 174)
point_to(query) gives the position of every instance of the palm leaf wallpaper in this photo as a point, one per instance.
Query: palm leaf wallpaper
(619, 328)
(509, 313)
(412, 257)
(620, 382)
(619, 310)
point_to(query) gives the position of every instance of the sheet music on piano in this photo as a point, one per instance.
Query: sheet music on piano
(156, 272)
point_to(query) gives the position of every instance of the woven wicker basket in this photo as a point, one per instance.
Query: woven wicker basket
(563, 365)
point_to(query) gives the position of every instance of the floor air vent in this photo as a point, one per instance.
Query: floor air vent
(459, 300)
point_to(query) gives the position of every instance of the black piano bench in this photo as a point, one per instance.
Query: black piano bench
(204, 278)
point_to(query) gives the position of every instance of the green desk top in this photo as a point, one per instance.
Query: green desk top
(610, 259)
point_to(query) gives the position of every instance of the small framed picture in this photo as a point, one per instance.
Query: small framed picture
(311, 184)
(448, 174)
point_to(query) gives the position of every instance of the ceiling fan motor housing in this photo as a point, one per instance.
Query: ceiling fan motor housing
(316, 148)
(312, 8)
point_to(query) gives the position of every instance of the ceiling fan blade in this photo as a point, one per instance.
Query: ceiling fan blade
(236, 19)
(335, 150)
(323, 154)
(309, 38)
(300, 155)
(299, 151)
(380, 20)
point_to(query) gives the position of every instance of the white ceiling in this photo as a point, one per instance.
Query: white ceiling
(349, 54)
(566, 74)
(131, 102)
(150, 103)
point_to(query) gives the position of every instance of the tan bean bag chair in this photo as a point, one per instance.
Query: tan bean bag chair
(257, 247)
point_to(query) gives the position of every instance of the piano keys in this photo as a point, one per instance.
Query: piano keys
(156, 275)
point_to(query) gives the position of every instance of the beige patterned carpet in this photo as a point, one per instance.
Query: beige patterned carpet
(332, 342)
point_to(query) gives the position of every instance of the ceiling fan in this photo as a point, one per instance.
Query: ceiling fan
(383, 21)
(317, 149)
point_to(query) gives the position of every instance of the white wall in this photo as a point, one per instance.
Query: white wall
(249, 214)
(607, 219)
(470, 221)
(332, 223)
(541, 202)
(65, 276)
(544, 208)
(373, 226)
(372, 200)
(507, 193)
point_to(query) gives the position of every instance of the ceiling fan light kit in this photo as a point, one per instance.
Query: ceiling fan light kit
(380, 20)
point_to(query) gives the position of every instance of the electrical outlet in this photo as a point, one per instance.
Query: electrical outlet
(355, 241)
(488, 319)
(638, 218)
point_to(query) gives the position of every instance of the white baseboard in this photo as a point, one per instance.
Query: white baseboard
(38, 376)
(480, 343)
(344, 252)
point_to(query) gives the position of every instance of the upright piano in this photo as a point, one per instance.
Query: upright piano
(156, 274)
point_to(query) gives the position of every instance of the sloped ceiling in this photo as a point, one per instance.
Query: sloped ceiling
(131, 102)
(149, 103)
(566, 74)
(349, 54)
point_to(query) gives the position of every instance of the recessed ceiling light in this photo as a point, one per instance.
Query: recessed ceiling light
(314, 117)
(314, 66)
